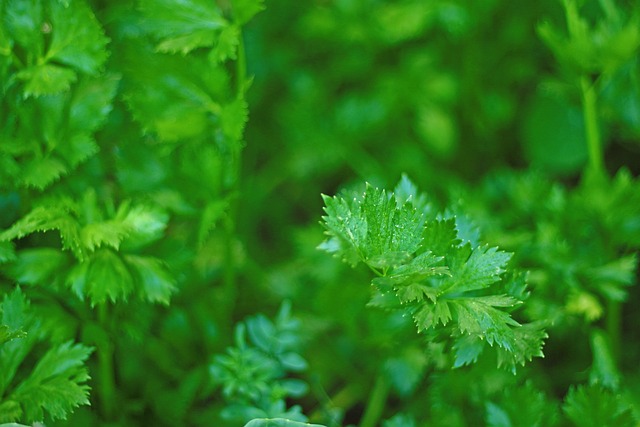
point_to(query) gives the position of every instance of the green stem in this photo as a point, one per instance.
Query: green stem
(106, 380)
(232, 185)
(590, 113)
(376, 403)
(241, 69)
(614, 325)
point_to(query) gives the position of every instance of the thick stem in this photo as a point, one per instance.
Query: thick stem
(376, 403)
(106, 380)
(592, 130)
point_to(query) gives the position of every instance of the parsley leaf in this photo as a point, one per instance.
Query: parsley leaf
(56, 384)
(595, 407)
(439, 281)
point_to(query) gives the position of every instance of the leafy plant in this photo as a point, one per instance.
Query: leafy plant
(146, 216)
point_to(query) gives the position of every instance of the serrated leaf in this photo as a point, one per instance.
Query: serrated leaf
(445, 286)
(427, 315)
(41, 172)
(78, 149)
(612, 278)
(182, 26)
(467, 349)
(212, 213)
(155, 283)
(105, 233)
(234, 117)
(415, 292)
(46, 79)
(15, 312)
(244, 10)
(106, 278)
(482, 268)
(526, 343)
(37, 266)
(595, 407)
(55, 384)
(440, 235)
(373, 228)
(179, 103)
(77, 39)
(45, 218)
(10, 410)
(346, 228)
(92, 102)
(226, 44)
(7, 334)
(145, 224)
(521, 406)
(477, 318)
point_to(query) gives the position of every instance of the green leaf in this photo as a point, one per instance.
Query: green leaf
(144, 223)
(16, 315)
(106, 277)
(440, 236)
(7, 334)
(7, 252)
(77, 39)
(447, 285)
(603, 370)
(234, 117)
(474, 269)
(226, 44)
(278, 422)
(182, 101)
(406, 369)
(244, 10)
(155, 283)
(182, 26)
(41, 172)
(37, 266)
(56, 383)
(46, 79)
(45, 218)
(373, 229)
(521, 406)
(104, 233)
(91, 102)
(593, 406)
(24, 19)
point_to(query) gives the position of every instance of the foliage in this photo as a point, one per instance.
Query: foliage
(160, 170)
(437, 279)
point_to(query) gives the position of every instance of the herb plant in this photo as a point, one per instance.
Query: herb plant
(161, 261)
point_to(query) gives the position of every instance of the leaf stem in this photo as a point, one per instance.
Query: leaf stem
(377, 401)
(614, 324)
(106, 380)
(232, 185)
(592, 130)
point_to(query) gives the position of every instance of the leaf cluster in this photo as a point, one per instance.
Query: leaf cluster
(254, 375)
(426, 270)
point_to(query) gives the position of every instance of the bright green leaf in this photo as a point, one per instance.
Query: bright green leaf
(46, 79)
